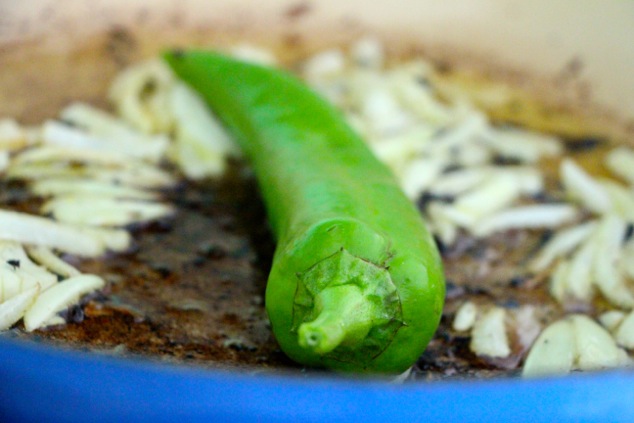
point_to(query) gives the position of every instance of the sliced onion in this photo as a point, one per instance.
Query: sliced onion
(13, 309)
(58, 297)
(465, 317)
(14, 260)
(88, 210)
(104, 189)
(488, 337)
(584, 188)
(35, 230)
(47, 258)
(55, 133)
(563, 243)
(526, 217)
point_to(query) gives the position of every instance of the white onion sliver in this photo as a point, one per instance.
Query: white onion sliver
(55, 133)
(80, 186)
(465, 131)
(584, 188)
(325, 64)
(442, 224)
(147, 112)
(520, 144)
(621, 161)
(417, 98)
(12, 136)
(13, 309)
(553, 353)
(527, 326)
(579, 276)
(492, 195)
(563, 243)
(488, 337)
(10, 282)
(58, 297)
(625, 332)
(465, 317)
(460, 181)
(526, 217)
(368, 52)
(99, 211)
(607, 275)
(14, 258)
(622, 198)
(252, 54)
(558, 281)
(58, 155)
(612, 319)
(596, 348)
(202, 145)
(28, 229)
(46, 257)
(117, 240)
(419, 175)
(382, 111)
(99, 122)
(575, 342)
(4, 161)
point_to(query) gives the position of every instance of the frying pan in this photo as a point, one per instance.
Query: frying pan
(576, 53)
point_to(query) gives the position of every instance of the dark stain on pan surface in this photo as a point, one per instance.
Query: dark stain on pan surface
(191, 291)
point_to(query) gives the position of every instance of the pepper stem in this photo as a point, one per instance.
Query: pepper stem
(345, 316)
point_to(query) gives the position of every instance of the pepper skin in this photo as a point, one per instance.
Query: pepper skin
(356, 282)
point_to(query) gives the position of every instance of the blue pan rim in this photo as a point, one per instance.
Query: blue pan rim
(43, 383)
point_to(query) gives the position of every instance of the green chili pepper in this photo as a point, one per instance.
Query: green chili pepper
(356, 281)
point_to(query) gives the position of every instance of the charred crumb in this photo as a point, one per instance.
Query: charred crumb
(628, 232)
(212, 250)
(509, 303)
(95, 297)
(120, 45)
(67, 122)
(577, 145)
(178, 53)
(462, 245)
(517, 281)
(447, 356)
(148, 89)
(442, 248)
(453, 291)
(161, 225)
(298, 10)
(544, 197)
(228, 223)
(428, 197)
(243, 251)
(198, 261)
(423, 81)
(443, 67)
(15, 194)
(75, 314)
(292, 40)
(546, 236)
(163, 269)
(478, 291)
(499, 160)
(483, 254)
(240, 347)
(195, 202)
(452, 168)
